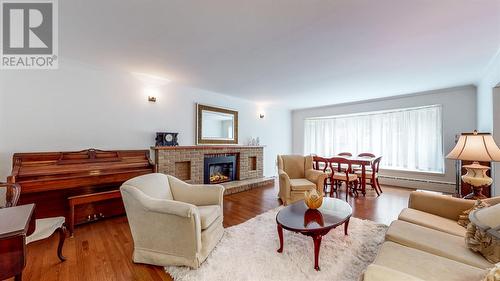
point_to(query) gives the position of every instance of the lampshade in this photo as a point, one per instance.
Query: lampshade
(475, 147)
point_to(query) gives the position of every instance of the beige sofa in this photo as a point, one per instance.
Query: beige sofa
(172, 222)
(296, 175)
(426, 243)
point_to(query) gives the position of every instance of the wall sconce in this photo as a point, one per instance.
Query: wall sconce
(151, 93)
(261, 110)
(152, 84)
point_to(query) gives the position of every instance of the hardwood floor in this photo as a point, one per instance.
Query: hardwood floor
(103, 250)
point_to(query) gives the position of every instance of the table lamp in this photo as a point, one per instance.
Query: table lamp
(476, 147)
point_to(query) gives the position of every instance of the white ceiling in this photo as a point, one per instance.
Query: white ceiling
(296, 53)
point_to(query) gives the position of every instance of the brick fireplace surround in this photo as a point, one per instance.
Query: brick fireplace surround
(187, 164)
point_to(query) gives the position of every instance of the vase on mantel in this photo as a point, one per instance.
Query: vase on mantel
(254, 142)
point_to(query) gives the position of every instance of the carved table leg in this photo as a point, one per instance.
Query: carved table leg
(317, 245)
(62, 237)
(346, 225)
(280, 234)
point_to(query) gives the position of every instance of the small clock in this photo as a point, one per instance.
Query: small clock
(166, 139)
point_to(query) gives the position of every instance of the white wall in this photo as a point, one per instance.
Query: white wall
(78, 107)
(485, 87)
(487, 121)
(459, 115)
(496, 135)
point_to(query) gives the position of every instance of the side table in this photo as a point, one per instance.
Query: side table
(15, 224)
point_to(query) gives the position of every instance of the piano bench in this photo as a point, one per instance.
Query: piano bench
(88, 199)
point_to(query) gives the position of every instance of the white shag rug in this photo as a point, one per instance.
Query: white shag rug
(247, 252)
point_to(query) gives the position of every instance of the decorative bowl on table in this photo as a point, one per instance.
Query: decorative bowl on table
(313, 199)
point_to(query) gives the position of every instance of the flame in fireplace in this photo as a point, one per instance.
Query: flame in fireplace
(218, 177)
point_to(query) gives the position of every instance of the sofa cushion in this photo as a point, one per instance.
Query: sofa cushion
(424, 265)
(381, 273)
(435, 242)
(489, 217)
(432, 221)
(483, 233)
(208, 214)
(301, 185)
(492, 201)
(493, 274)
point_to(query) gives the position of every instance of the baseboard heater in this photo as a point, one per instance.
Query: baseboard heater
(433, 185)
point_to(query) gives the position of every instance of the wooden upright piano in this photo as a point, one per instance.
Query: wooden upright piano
(82, 186)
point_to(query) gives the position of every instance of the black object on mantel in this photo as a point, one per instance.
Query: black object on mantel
(166, 139)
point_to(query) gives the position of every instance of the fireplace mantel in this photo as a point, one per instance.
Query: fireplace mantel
(205, 147)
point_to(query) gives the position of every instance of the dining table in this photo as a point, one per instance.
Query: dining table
(362, 161)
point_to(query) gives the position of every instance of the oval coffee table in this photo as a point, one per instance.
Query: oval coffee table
(314, 223)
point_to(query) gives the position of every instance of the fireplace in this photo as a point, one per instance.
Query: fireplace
(219, 168)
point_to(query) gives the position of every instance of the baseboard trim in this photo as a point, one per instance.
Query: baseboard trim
(439, 186)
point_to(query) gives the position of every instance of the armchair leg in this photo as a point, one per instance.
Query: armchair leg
(62, 237)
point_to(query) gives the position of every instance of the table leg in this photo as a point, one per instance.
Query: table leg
(280, 234)
(62, 237)
(317, 245)
(363, 180)
(346, 225)
(71, 219)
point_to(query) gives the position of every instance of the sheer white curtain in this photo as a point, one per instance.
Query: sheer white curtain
(409, 139)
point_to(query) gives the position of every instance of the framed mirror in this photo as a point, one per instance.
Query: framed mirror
(216, 125)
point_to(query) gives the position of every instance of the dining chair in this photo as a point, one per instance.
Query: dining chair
(371, 175)
(324, 165)
(44, 228)
(365, 154)
(344, 154)
(314, 162)
(341, 175)
(9, 194)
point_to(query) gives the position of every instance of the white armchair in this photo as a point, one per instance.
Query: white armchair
(172, 222)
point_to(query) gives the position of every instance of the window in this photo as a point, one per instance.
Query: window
(407, 139)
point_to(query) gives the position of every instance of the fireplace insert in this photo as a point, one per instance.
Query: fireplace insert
(219, 168)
